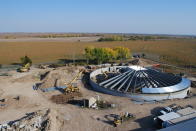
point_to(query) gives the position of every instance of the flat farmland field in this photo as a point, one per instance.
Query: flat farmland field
(174, 51)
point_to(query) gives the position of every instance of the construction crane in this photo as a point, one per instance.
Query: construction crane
(70, 86)
(122, 118)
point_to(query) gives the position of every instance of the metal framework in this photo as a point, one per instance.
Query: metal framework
(132, 79)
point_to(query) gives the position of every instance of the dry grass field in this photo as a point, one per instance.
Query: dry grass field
(180, 51)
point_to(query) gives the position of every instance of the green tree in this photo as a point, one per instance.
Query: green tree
(25, 60)
(99, 54)
(89, 53)
(104, 55)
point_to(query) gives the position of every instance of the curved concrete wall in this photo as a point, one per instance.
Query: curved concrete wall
(184, 84)
(147, 97)
(143, 96)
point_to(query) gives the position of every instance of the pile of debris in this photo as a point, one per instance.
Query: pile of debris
(56, 78)
(97, 103)
(4, 102)
(34, 121)
(93, 103)
(63, 99)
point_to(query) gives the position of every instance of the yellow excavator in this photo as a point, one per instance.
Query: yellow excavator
(71, 87)
(118, 120)
(25, 68)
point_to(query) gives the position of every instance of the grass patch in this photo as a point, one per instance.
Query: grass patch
(175, 51)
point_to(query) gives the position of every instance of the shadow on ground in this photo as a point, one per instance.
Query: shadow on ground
(17, 64)
(71, 61)
(146, 124)
(109, 119)
(85, 81)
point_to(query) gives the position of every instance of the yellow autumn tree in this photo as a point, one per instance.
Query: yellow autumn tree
(122, 53)
(100, 55)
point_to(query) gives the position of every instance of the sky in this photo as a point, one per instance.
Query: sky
(99, 16)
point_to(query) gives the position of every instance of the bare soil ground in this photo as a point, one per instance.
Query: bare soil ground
(71, 117)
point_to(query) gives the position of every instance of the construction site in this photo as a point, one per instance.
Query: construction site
(108, 97)
(97, 65)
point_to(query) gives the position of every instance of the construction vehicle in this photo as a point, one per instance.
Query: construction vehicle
(25, 68)
(118, 120)
(71, 86)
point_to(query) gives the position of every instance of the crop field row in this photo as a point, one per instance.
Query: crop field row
(181, 52)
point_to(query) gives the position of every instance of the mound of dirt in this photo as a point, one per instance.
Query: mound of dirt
(58, 77)
(34, 121)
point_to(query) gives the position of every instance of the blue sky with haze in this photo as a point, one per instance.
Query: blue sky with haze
(107, 16)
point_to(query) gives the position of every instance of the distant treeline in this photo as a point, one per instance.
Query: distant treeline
(62, 35)
(100, 55)
(103, 36)
(46, 35)
(111, 38)
(132, 38)
(145, 38)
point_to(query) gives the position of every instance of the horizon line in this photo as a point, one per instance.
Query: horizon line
(165, 34)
